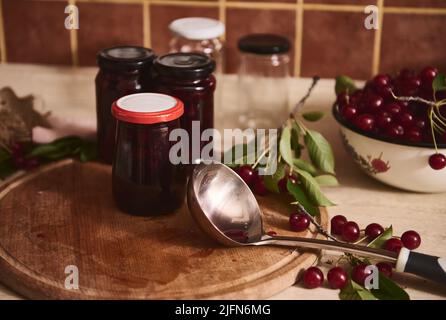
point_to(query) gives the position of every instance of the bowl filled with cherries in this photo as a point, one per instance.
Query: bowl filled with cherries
(395, 127)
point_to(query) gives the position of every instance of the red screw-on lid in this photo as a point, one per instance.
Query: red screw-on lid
(147, 108)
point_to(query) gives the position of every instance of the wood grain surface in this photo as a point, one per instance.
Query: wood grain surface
(63, 214)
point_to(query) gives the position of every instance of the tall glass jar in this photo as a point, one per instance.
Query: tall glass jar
(263, 80)
(188, 76)
(145, 180)
(122, 70)
(201, 35)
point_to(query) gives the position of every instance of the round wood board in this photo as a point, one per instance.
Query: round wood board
(64, 215)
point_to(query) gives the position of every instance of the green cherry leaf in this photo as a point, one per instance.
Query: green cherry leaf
(320, 151)
(344, 84)
(327, 180)
(439, 83)
(272, 181)
(300, 196)
(389, 290)
(353, 291)
(312, 190)
(379, 241)
(313, 116)
(285, 146)
(304, 165)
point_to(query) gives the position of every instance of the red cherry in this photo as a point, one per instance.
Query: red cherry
(272, 233)
(373, 230)
(299, 222)
(393, 244)
(437, 161)
(414, 134)
(349, 111)
(405, 119)
(411, 239)
(246, 173)
(259, 187)
(406, 73)
(427, 75)
(381, 80)
(360, 273)
(350, 231)
(385, 268)
(342, 99)
(337, 223)
(282, 184)
(337, 278)
(392, 108)
(383, 120)
(313, 278)
(420, 122)
(395, 130)
(31, 163)
(365, 122)
(373, 102)
(356, 97)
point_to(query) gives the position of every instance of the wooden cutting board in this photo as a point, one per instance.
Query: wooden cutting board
(63, 215)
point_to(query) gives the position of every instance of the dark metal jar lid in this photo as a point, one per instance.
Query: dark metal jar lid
(125, 57)
(185, 65)
(264, 44)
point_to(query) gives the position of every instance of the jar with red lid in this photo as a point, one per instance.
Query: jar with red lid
(188, 76)
(145, 181)
(122, 70)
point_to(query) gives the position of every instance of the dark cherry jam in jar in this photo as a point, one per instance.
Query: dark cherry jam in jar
(122, 70)
(145, 181)
(188, 76)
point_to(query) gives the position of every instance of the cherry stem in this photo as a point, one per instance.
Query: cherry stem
(305, 97)
(319, 228)
(409, 99)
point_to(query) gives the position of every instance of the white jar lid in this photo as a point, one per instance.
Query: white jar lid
(197, 28)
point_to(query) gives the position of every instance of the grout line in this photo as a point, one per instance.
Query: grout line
(146, 31)
(280, 6)
(333, 7)
(2, 36)
(298, 40)
(409, 10)
(222, 15)
(185, 3)
(73, 43)
(377, 40)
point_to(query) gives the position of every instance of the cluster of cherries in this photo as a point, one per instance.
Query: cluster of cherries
(19, 159)
(373, 109)
(349, 231)
(252, 178)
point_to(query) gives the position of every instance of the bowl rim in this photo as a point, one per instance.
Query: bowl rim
(343, 122)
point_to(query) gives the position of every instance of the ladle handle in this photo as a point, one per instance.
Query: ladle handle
(423, 265)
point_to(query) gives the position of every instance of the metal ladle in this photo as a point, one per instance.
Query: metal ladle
(225, 209)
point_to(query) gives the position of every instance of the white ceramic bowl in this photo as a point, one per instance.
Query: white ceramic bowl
(402, 165)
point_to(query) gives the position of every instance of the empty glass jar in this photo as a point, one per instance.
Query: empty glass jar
(201, 35)
(263, 80)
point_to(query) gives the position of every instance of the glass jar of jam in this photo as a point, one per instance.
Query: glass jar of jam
(188, 76)
(145, 181)
(122, 70)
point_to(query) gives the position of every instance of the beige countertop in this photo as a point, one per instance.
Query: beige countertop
(69, 93)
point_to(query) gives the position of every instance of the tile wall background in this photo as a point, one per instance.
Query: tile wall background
(328, 36)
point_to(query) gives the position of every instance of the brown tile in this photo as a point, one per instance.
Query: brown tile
(415, 3)
(162, 15)
(358, 2)
(336, 43)
(240, 22)
(35, 32)
(104, 25)
(413, 41)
